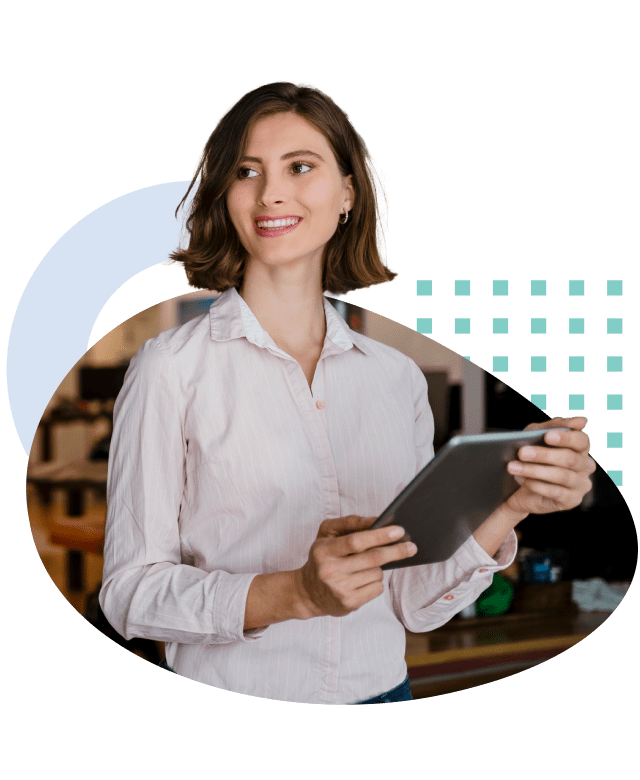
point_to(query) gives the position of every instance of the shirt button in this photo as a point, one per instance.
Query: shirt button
(482, 571)
(449, 596)
(319, 404)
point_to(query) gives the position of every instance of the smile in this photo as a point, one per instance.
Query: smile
(270, 227)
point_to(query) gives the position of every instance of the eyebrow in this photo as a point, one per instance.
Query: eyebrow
(288, 156)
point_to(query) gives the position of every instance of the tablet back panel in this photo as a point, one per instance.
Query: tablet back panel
(455, 493)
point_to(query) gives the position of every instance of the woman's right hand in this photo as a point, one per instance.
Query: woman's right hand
(343, 571)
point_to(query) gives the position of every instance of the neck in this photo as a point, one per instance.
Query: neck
(288, 304)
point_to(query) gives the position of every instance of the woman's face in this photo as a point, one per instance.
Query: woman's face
(289, 176)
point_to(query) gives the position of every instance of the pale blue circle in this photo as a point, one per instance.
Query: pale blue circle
(68, 289)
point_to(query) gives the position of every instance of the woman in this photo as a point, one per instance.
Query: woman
(253, 446)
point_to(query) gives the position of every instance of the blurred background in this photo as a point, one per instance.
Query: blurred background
(572, 570)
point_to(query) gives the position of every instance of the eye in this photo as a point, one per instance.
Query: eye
(297, 166)
(246, 173)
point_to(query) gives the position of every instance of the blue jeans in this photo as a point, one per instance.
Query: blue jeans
(401, 692)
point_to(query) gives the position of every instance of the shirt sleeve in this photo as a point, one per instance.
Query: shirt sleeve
(425, 597)
(146, 590)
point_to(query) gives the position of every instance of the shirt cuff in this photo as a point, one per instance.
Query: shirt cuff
(229, 606)
(471, 556)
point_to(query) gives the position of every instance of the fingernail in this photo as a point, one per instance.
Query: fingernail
(515, 467)
(553, 438)
(396, 533)
(527, 453)
(411, 548)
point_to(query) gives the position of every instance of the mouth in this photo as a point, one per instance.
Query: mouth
(271, 227)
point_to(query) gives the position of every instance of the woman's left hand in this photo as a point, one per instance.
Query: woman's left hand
(556, 477)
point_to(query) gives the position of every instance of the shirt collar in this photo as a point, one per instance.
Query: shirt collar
(231, 318)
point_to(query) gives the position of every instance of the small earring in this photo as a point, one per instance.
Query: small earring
(346, 218)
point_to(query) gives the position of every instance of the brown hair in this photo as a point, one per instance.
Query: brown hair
(215, 259)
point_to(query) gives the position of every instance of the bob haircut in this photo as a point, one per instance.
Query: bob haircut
(215, 259)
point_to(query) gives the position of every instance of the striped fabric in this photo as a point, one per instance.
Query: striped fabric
(223, 465)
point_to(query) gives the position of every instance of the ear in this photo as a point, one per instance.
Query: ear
(349, 192)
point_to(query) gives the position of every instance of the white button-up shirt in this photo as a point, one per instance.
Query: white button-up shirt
(224, 463)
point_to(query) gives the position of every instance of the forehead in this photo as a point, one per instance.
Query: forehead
(277, 134)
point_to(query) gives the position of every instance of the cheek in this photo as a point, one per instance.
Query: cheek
(322, 194)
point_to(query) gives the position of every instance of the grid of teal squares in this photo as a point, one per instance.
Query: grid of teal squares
(538, 325)
(500, 325)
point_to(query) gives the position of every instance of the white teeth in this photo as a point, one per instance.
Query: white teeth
(276, 223)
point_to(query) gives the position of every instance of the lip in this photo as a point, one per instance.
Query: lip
(275, 232)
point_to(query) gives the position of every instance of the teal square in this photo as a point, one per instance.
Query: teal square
(500, 325)
(614, 363)
(538, 325)
(614, 325)
(538, 288)
(616, 477)
(540, 401)
(576, 364)
(463, 287)
(576, 325)
(614, 287)
(614, 402)
(538, 363)
(576, 402)
(466, 357)
(500, 364)
(424, 325)
(576, 287)
(614, 440)
(425, 287)
(501, 287)
(463, 326)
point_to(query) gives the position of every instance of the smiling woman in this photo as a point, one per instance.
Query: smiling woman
(253, 446)
(320, 159)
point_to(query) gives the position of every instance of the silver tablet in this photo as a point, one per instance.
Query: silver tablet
(455, 493)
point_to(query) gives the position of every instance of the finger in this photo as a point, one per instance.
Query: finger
(368, 593)
(559, 494)
(575, 440)
(378, 556)
(365, 577)
(351, 544)
(338, 526)
(564, 458)
(552, 474)
(576, 423)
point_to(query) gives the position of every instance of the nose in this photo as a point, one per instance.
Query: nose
(273, 190)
